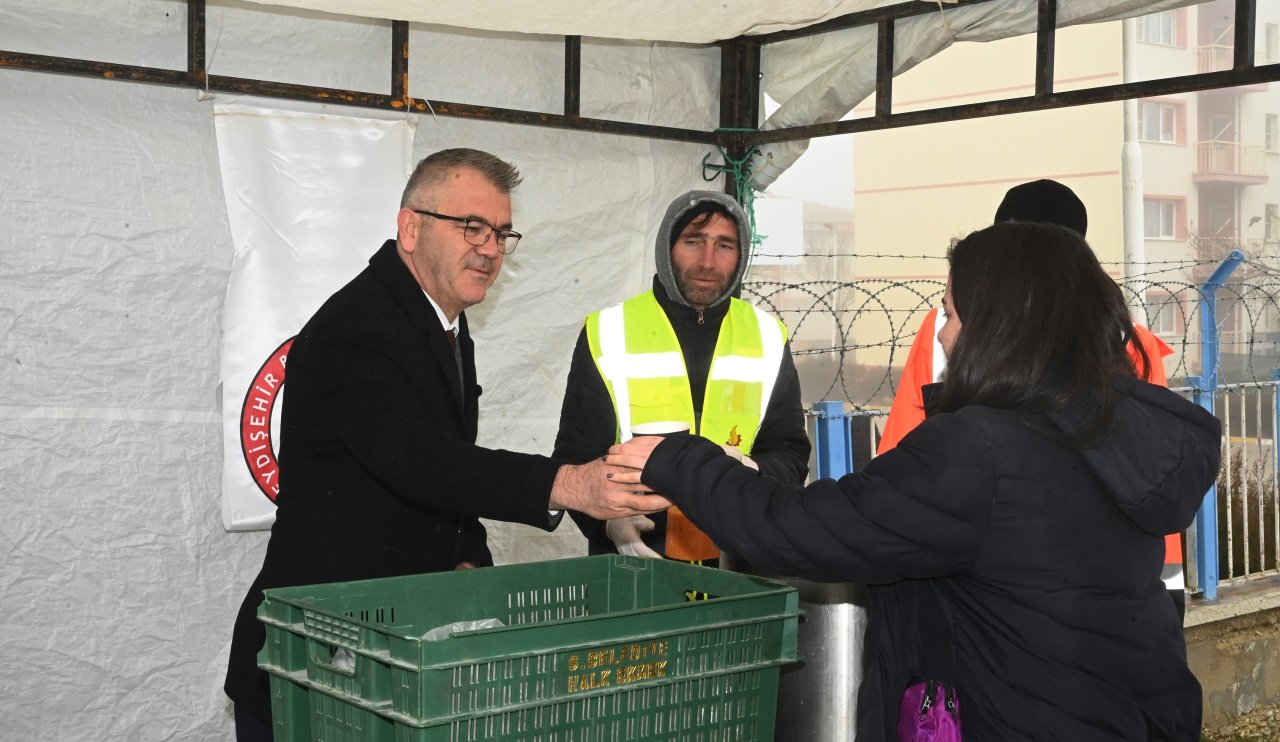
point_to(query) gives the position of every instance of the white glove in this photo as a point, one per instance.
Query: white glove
(745, 460)
(625, 534)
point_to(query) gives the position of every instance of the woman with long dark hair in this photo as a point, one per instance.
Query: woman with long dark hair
(1013, 542)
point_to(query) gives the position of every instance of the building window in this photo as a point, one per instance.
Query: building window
(1273, 133)
(1157, 122)
(1165, 314)
(1160, 219)
(1159, 28)
(1222, 128)
(1271, 223)
(1221, 222)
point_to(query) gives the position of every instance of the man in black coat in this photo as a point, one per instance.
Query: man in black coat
(380, 474)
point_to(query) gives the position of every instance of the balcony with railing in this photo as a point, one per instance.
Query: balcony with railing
(1230, 162)
(1219, 57)
(1214, 58)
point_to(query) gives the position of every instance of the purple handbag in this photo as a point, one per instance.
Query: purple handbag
(929, 712)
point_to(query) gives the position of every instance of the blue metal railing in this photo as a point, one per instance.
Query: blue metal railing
(833, 440)
(1202, 546)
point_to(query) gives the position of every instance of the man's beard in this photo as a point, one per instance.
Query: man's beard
(701, 296)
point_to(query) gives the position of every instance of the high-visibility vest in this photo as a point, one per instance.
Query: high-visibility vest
(638, 356)
(925, 364)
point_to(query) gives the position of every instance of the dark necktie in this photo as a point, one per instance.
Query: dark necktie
(457, 357)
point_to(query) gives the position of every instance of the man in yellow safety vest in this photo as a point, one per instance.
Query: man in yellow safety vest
(686, 352)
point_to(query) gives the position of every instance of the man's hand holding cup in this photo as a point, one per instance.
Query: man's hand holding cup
(631, 455)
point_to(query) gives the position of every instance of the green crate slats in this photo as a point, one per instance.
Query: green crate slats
(599, 648)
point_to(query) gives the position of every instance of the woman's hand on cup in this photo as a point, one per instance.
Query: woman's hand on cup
(630, 458)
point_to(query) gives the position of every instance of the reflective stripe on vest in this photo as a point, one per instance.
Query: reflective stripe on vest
(744, 369)
(639, 358)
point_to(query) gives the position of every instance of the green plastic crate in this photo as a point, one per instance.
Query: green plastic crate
(605, 648)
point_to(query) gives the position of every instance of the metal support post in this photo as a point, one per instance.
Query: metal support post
(1275, 426)
(834, 440)
(1203, 388)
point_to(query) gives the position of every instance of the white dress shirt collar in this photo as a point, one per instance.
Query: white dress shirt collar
(444, 321)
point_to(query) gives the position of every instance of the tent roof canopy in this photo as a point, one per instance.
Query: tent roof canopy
(693, 21)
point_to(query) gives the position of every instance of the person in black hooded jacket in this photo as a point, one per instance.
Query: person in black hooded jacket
(700, 251)
(1014, 540)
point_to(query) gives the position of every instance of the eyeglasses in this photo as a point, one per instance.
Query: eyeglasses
(477, 231)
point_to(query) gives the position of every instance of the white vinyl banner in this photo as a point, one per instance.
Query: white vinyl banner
(310, 197)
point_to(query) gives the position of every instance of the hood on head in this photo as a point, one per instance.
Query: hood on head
(667, 233)
(1158, 457)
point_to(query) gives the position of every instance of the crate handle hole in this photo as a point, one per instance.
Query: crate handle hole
(338, 658)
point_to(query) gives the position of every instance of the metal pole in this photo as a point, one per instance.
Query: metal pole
(1046, 38)
(817, 697)
(739, 100)
(195, 38)
(1206, 529)
(572, 76)
(884, 68)
(834, 442)
(1135, 244)
(400, 62)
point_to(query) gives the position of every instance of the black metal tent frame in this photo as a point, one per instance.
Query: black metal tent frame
(739, 81)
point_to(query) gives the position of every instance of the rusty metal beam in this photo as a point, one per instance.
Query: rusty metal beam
(572, 76)
(224, 84)
(558, 121)
(88, 68)
(400, 60)
(884, 68)
(739, 99)
(1244, 41)
(1105, 94)
(740, 83)
(1046, 34)
(195, 37)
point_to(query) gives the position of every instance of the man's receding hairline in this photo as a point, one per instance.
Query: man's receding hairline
(429, 192)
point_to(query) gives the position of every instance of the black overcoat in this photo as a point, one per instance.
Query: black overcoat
(380, 474)
(1022, 570)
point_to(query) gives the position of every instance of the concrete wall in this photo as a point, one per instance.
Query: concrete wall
(1233, 647)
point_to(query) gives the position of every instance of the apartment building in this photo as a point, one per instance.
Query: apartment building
(1209, 164)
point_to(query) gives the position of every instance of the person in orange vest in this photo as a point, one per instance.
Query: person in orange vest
(1036, 201)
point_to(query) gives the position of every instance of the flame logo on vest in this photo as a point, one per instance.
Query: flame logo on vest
(256, 442)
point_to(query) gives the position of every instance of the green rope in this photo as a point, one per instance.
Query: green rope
(741, 170)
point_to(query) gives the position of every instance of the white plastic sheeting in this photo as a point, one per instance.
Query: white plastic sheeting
(119, 583)
(116, 576)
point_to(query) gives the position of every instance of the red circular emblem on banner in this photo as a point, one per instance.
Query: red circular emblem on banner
(255, 422)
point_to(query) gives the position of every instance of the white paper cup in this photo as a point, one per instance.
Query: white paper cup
(663, 428)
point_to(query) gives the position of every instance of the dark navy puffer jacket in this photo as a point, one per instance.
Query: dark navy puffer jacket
(1022, 570)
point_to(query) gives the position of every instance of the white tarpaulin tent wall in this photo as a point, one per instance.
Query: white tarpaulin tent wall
(119, 582)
